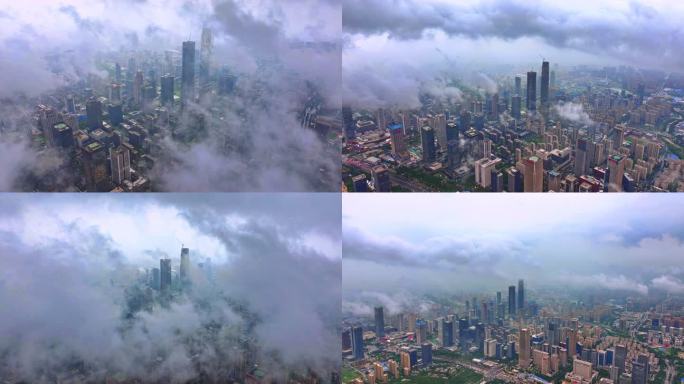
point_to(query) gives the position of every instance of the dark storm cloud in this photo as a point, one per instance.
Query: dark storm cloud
(639, 33)
(283, 296)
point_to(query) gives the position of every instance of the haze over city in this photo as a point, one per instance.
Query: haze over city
(471, 288)
(469, 243)
(516, 96)
(195, 95)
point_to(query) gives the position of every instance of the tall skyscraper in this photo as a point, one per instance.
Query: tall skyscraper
(531, 101)
(421, 331)
(95, 168)
(427, 141)
(499, 312)
(205, 61)
(63, 136)
(616, 169)
(524, 346)
(544, 96)
(70, 105)
(165, 274)
(396, 131)
(620, 357)
(379, 322)
(188, 72)
(138, 89)
(348, 120)
(156, 278)
(511, 301)
(521, 295)
(167, 89)
(381, 179)
(515, 106)
(572, 343)
(120, 163)
(357, 342)
(640, 369)
(426, 353)
(94, 113)
(185, 265)
(533, 174)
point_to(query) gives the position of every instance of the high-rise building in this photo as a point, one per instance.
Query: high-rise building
(439, 125)
(518, 86)
(115, 111)
(360, 183)
(572, 343)
(514, 180)
(583, 369)
(533, 174)
(167, 89)
(521, 295)
(205, 61)
(544, 96)
(531, 101)
(640, 369)
(381, 179)
(616, 170)
(427, 141)
(421, 331)
(348, 120)
(515, 106)
(188, 72)
(405, 362)
(156, 278)
(94, 113)
(426, 353)
(524, 346)
(120, 163)
(620, 357)
(379, 322)
(117, 73)
(63, 136)
(511, 301)
(396, 131)
(95, 167)
(165, 274)
(357, 342)
(115, 92)
(138, 89)
(446, 332)
(70, 105)
(185, 265)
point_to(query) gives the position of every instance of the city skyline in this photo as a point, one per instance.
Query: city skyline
(476, 38)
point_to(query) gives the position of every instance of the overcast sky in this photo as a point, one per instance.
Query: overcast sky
(392, 47)
(68, 259)
(453, 243)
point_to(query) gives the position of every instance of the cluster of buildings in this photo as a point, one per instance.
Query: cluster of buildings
(111, 133)
(513, 332)
(605, 144)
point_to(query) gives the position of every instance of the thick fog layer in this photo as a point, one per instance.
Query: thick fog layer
(79, 305)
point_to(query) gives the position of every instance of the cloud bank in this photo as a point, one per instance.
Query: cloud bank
(82, 308)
